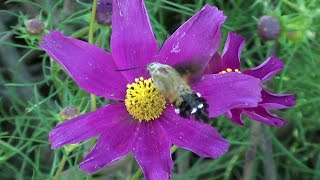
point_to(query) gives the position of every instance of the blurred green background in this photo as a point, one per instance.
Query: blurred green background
(34, 90)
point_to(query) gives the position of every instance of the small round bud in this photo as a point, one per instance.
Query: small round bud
(35, 26)
(268, 28)
(69, 113)
(104, 12)
(66, 114)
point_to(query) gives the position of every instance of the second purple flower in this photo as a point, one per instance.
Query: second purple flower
(229, 61)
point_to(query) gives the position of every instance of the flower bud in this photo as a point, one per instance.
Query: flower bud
(104, 12)
(34, 26)
(69, 113)
(66, 114)
(268, 28)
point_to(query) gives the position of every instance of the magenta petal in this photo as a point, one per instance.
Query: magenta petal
(235, 116)
(229, 91)
(86, 126)
(132, 42)
(87, 64)
(214, 65)
(193, 135)
(152, 151)
(263, 116)
(267, 69)
(196, 40)
(116, 142)
(277, 101)
(232, 52)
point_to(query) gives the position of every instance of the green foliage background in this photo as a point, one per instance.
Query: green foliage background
(35, 89)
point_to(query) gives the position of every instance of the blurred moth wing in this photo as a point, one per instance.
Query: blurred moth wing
(168, 81)
(190, 71)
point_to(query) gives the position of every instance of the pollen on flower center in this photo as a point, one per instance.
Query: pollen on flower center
(230, 70)
(143, 100)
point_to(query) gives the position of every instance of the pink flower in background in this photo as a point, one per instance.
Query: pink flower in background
(229, 61)
(141, 122)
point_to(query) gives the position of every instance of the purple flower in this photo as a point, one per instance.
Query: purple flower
(229, 61)
(142, 122)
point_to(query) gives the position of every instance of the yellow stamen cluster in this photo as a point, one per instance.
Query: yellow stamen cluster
(143, 100)
(230, 70)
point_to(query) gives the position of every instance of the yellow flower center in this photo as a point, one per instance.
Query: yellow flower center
(143, 100)
(230, 70)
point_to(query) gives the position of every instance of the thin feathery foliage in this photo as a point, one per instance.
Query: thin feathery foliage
(34, 89)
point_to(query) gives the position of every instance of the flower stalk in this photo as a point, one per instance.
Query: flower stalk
(90, 40)
(60, 168)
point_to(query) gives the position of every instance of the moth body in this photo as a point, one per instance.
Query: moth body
(174, 88)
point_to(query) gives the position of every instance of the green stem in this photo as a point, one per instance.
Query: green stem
(60, 168)
(92, 20)
(90, 40)
(93, 102)
(139, 172)
(136, 175)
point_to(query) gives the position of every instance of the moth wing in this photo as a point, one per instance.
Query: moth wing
(190, 71)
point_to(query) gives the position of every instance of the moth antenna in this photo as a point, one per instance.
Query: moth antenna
(130, 68)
